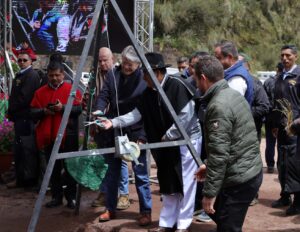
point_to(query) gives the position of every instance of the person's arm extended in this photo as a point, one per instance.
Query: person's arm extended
(128, 119)
(122, 121)
(185, 116)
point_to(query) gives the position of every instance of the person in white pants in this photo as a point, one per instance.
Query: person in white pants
(175, 165)
(178, 208)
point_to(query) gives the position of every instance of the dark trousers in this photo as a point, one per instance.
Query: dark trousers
(199, 196)
(25, 153)
(286, 151)
(58, 179)
(270, 145)
(296, 201)
(232, 205)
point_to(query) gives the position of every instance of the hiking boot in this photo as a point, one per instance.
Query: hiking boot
(123, 202)
(281, 202)
(99, 201)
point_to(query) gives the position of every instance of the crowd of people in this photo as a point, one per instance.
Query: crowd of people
(219, 103)
(55, 25)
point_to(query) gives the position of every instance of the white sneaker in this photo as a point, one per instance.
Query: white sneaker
(202, 217)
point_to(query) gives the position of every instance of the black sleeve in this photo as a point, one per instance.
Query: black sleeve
(23, 99)
(76, 111)
(104, 96)
(296, 126)
(261, 105)
(37, 114)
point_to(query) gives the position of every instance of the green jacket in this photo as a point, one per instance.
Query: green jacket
(230, 139)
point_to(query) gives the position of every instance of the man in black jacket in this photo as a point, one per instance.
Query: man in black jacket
(287, 90)
(260, 105)
(24, 85)
(269, 86)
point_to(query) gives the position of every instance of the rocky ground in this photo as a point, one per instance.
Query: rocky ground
(16, 206)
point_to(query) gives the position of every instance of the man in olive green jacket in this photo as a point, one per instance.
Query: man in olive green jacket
(233, 173)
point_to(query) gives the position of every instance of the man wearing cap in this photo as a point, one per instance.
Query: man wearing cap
(175, 165)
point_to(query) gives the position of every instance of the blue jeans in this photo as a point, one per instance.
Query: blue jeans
(123, 183)
(142, 182)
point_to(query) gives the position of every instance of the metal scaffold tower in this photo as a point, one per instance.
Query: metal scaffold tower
(143, 23)
(6, 71)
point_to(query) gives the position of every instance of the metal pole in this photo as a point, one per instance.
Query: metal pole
(151, 25)
(5, 25)
(157, 84)
(10, 25)
(54, 153)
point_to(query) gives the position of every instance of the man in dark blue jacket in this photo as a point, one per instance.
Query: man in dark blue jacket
(122, 89)
(24, 85)
(287, 90)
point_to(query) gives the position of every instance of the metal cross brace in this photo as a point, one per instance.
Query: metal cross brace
(55, 151)
(111, 150)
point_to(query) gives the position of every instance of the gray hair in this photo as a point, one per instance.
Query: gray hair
(130, 54)
(228, 48)
(182, 59)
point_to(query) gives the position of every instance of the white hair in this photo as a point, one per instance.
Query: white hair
(130, 54)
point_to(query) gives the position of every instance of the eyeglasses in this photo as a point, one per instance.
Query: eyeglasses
(22, 60)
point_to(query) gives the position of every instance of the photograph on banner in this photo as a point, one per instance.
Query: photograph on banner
(52, 25)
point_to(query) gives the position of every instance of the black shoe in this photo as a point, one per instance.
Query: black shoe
(270, 170)
(292, 210)
(71, 204)
(281, 202)
(54, 203)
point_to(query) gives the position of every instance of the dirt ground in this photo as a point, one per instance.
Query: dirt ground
(16, 206)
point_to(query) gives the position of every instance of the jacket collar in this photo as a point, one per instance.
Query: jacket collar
(213, 90)
(25, 69)
(292, 73)
(233, 67)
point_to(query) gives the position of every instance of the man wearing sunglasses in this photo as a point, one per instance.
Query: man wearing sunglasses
(24, 85)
